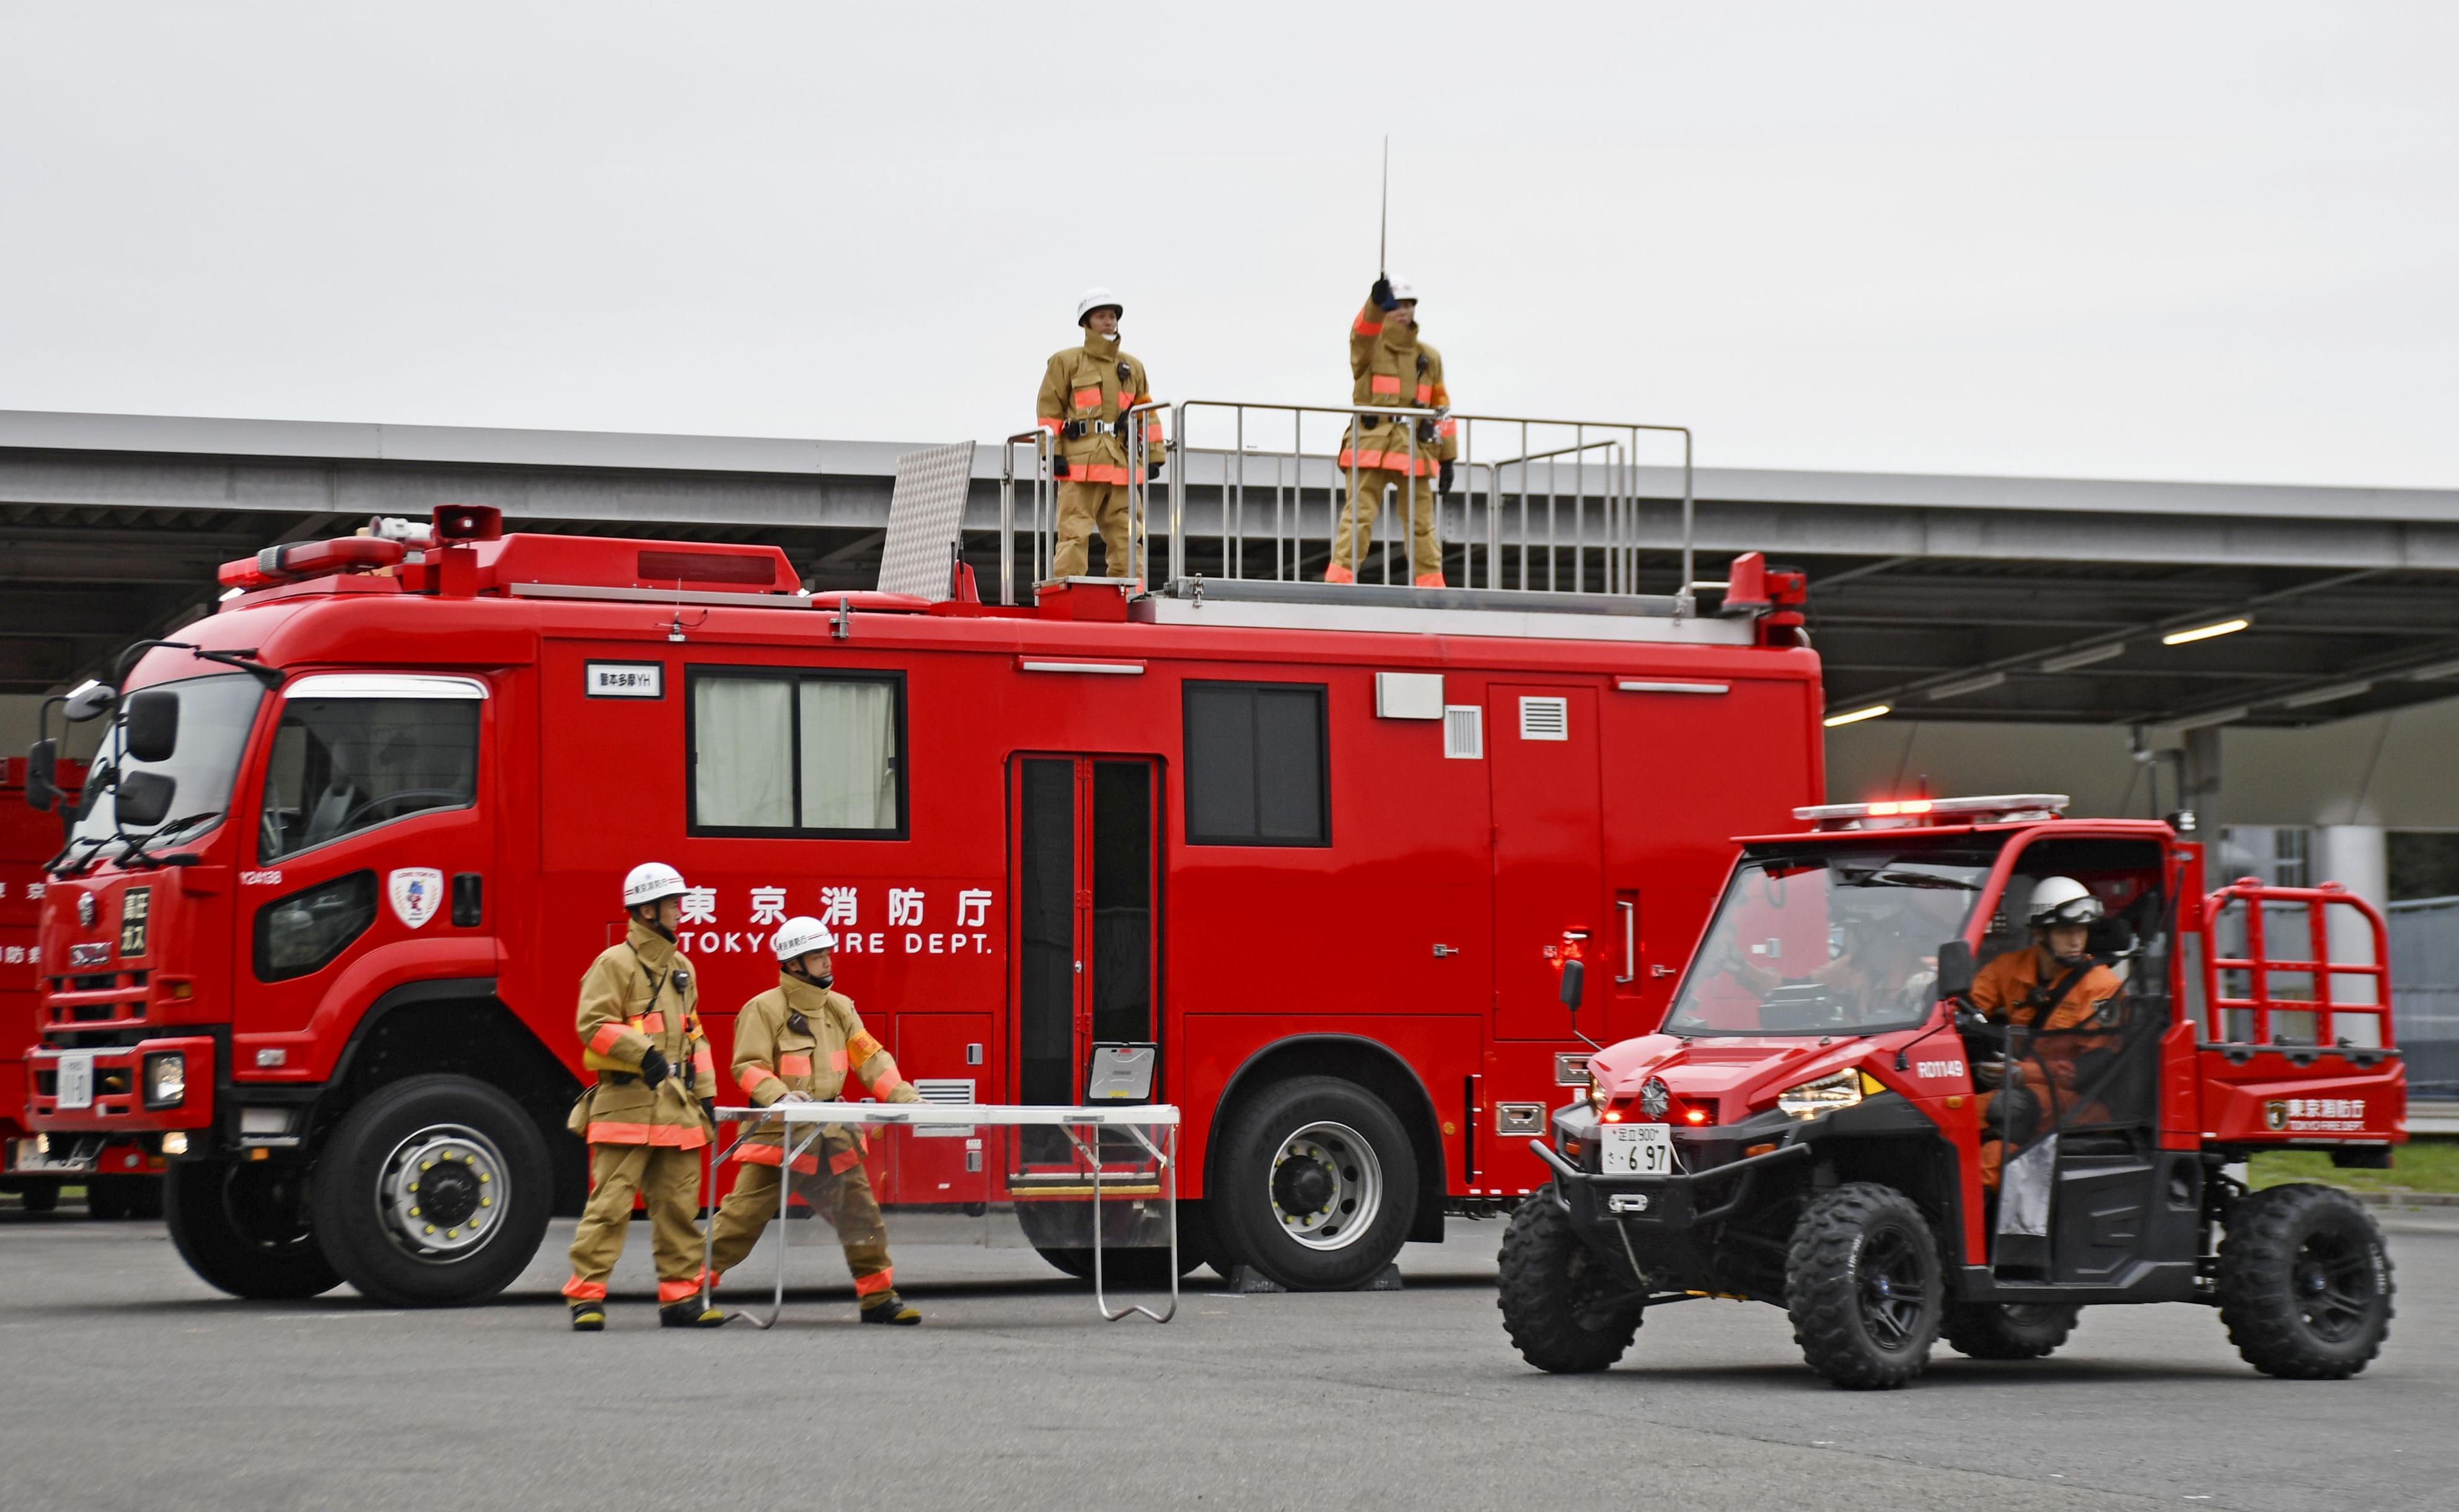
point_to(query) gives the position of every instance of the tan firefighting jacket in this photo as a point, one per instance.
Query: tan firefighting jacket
(638, 994)
(1097, 382)
(798, 1038)
(1389, 367)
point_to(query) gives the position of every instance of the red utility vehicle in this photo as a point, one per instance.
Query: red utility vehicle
(362, 829)
(1823, 1123)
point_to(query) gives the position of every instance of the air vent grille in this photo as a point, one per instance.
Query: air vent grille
(1464, 732)
(1545, 719)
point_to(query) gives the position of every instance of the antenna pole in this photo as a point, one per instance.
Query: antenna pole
(1383, 222)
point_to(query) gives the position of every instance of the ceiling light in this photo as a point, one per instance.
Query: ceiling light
(2206, 631)
(1971, 685)
(1857, 716)
(2226, 716)
(2082, 659)
(2326, 695)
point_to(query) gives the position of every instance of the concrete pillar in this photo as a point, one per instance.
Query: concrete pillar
(2357, 857)
(2200, 776)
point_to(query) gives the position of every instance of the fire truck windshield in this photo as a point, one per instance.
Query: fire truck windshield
(1844, 942)
(214, 716)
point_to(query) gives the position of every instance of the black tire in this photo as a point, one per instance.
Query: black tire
(1558, 1296)
(242, 1226)
(2304, 1283)
(109, 1199)
(434, 1191)
(2008, 1331)
(1142, 1269)
(41, 1197)
(1315, 1184)
(145, 1197)
(1862, 1286)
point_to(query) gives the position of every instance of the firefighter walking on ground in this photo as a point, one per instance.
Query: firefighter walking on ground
(1086, 393)
(800, 1043)
(648, 1115)
(1389, 367)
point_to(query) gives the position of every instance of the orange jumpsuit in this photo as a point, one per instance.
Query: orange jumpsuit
(2008, 990)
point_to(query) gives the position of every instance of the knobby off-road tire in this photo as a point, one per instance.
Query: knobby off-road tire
(434, 1191)
(1315, 1184)
(1567, 1311)
(1862, 1286)
(2007, 1331)
(242, 1226)
(2304, 1283)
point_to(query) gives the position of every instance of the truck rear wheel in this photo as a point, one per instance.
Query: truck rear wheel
(1863, 1288)
(1567, 1311)
(2304, 1283)
(2008, 1331)
(41, 1197)
(242, 1226)
(1316, 1184)
(434, 1191)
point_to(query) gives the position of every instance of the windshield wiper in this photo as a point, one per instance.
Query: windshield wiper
(136, 851)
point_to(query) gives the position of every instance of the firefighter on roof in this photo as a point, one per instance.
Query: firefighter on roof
(800, 1043)
(1087, 392)
(649, 1111)
(1389, 367)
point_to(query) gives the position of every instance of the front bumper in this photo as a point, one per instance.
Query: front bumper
(117, 1075)
(1668, 1205)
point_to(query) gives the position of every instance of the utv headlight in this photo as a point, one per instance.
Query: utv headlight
(1842, 1090)
(166, 1079)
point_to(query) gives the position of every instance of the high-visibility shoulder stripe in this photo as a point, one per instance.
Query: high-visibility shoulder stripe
(793, 1065)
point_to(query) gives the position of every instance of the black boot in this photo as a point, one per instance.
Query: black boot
(890, 1308)
(692, 1313)
(588, 1317)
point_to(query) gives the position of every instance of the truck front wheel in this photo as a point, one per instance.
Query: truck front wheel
(2304, 1283)
(243, 1225)
(1315, 1184)
(433, 1191)
(1565, 1309)
(1863, 1285)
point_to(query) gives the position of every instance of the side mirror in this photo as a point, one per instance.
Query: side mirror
(90, 702)
(1575, 975)
(153, 726)
(145, 799)
(42, 766)
(1955, 969)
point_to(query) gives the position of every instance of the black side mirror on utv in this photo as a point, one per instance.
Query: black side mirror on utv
(42, 767)
(1955, 969)
(144, 798)
(152, 720)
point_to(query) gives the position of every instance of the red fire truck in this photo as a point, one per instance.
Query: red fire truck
(121, 1178)
(354, 837)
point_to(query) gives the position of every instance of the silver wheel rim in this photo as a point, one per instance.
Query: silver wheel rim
(441, 1194)
(1333, 1156)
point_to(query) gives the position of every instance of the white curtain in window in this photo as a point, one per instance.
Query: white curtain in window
(849, 756)
(744, 735)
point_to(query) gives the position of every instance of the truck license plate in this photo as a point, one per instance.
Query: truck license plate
(76, 1078)
(1637, 1149)
(71, 1159)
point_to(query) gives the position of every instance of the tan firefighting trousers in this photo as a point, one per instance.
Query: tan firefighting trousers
(668, 1182)
(1357, 533)
(1083, 509)
(845, 1199)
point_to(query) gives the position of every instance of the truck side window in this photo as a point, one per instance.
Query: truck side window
(348, 762)
(1257, 764)
(797, 753)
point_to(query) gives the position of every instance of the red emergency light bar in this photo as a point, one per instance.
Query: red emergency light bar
(302, 559)
(1999, 806)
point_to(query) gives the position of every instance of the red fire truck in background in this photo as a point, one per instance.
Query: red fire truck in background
(121, 1178)
(352, 840)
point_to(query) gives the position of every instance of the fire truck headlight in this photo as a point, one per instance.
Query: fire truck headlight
(166, 1079)
(1840, 1090)
(174, 1142)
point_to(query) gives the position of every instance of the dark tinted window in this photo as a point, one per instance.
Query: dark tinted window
(300, 933)
(1256, 764)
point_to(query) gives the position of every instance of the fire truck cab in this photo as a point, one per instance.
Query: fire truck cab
(351, 841)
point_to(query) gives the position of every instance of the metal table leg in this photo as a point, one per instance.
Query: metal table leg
(1169, 1165)
(790, 1150)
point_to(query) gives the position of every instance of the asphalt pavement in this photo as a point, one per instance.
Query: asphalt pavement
(130, 1384)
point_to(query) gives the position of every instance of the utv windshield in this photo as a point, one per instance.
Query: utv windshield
(214, 715)
(1823, 943)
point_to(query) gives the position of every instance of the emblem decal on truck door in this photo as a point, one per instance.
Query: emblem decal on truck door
(415, 891)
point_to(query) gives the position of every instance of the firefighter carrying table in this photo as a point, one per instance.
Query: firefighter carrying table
(1081, 1127)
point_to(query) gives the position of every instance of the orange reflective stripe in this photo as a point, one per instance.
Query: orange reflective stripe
(1088, 398)
(837, 1062)
(1096, 472)
(1049, 423)
(670, 1136)
(793, 1065)
(1364, 327)
(750, 1078)
(1152, 432)
(1425, 393)
(581, 1290)
(703, 1062)
(652, 1024)
(677, 1290)
(1385, 384)
(609, 1034)
(844, 1161)
(1447, 427)
(876, 1282)
(889, 1081)
(1386, 461)
(805, 1164)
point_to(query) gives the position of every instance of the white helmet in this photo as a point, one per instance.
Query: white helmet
(1403, 289)
(1094, 298)
(650, 881)
(2062, 900)
(800, 936)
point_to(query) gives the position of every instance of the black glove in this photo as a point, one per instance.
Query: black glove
(2014, 1112)
(1443, 479)
(1059, 467)
(708, 1109)
(1152, 471)
(653, 1065)
(1381, 295)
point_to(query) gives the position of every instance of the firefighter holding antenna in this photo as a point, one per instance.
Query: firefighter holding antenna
(1086, 393)
(800, 1043)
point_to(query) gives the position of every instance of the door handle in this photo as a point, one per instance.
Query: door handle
(1442, 950)
(1630, 912)
(1660, 971)
(1079, 968)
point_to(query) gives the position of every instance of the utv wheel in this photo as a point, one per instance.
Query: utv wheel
(434, 1191)
(1862, 1286)
(2007, 1331)
(1315, 1184)
(1566, 1310)
(242, 1226)
(2304, 1283)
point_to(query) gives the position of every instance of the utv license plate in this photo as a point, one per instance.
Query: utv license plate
(76, 1080)
(1637, 1149)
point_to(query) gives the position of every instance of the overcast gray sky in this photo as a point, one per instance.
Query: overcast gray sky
(2161, 241)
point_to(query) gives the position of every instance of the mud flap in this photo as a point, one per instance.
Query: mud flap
(2023, 1189)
